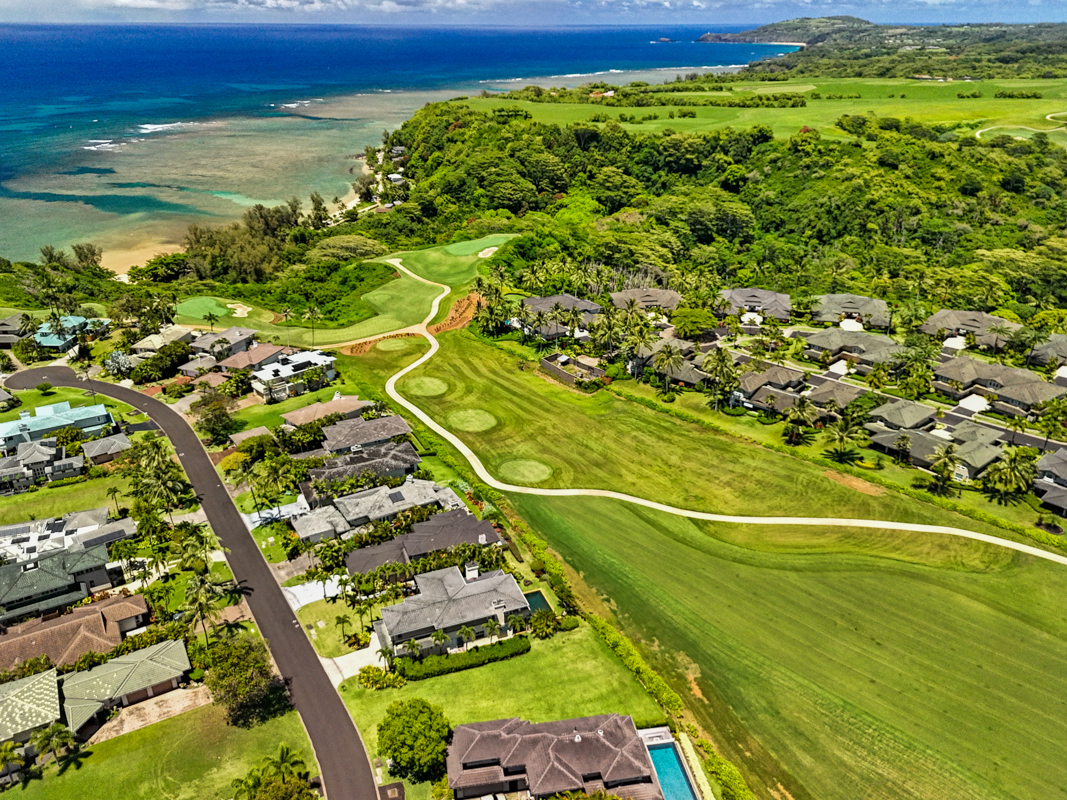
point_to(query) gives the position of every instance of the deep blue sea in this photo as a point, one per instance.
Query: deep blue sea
(124, 134)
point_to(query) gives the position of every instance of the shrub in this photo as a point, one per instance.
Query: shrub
(377, 678)
(568, 623)
(632, 660)
(414, 736)
(44, 388)
(242, 680)
(543, 624)
(537, 566)
(66, 481)
(432, 666)
(731, 782)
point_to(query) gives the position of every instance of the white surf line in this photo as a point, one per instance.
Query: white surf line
(488, 479)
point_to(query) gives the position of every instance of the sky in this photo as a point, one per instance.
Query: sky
(537, 13)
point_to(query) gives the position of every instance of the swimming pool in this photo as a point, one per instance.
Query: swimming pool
(538, 601)
(671, 773)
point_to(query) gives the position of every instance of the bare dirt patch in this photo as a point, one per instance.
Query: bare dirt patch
(692, 672)
(360, 348)
(461, 313)
(152, 710)
(853, 482)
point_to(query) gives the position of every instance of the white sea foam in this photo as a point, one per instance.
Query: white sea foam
(171, 126)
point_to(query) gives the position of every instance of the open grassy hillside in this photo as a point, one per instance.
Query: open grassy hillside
(838, 665)
(927, 101)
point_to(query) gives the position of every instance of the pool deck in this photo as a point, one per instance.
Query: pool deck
(661, 736)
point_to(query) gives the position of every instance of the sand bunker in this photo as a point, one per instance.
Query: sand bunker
(239, 309)
(487, 252)
(525, 471)
(471, 420)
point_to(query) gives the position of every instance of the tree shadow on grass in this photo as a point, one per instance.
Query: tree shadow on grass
(73, 760)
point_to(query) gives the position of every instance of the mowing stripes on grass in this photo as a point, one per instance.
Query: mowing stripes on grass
(472, 420)
(426, 387)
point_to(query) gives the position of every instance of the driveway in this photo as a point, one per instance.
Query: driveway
(343, 762)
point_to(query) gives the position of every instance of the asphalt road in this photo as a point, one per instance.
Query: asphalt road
(343, 762)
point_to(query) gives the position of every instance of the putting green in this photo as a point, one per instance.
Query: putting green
(472, 420)
(200, 307)
(425, 387)
(475, 246)
(524, 471)
(393, 345)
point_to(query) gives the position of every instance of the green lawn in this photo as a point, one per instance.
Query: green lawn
(193, 756)
(927, 101)
(46, 502)
(453, 264)
(31, 399)
(550, 436)
(271, 415)
(179, 580)
(840, 663)
(274, 551)
(246, 504)
(327, 640)
(571, 675)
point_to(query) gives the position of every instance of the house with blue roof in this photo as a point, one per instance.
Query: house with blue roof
(45, 421)
(66, 337)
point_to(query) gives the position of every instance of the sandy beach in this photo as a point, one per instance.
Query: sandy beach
(119, 261)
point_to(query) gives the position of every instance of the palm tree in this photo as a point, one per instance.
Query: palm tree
(113, 493)
(276, 476)
(386, 655)
(516, 623)
(998, 329)
(902, 444)
(466, 633)
(843, 435)
(312, 313)
(159, 558)
(439, 637)
(413, 648)
(287, 314)
(719, 366)
(52, 739)
(342, 620)
(211, 318)
(286, 765)
(944, 463)
(878, 377)
(667, 360)
(492, 628)
(9, 755)
(28, 325)
(164, 488)
(245, 788)
(1016, 425)
(1014, 473)
(203, 601)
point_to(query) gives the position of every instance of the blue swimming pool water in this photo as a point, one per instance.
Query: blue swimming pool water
(672, 778)
(537, 601)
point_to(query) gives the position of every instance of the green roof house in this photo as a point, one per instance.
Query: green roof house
(45, 421)
(28, 704)
(52, 581)
(67, 335)
(123, 680)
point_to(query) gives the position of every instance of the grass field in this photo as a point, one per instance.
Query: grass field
(928, 101)
(46, 502)
(571, 675)
(271, 415)
(193, 756)
(829, 663)
(601, 441)
(369, 372)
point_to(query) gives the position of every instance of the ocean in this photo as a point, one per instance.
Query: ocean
(124, 135)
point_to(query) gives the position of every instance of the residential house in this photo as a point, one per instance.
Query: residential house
(9, 331)
(67, 335)
(35, 463)
(101, 451)
(1054, 351)
(123, 681)
(198, 366)
(212, 379)
(1051, 482)
(665, 299)
(553, 329)
(288, 376)
(440, 532)
(349, 406)
(384, 502)
(900, 415)
(1012, 390)
(686, 372)
(834, 395)
(386, 460)
(763, 302)
(77, 530)
(769, 380)
(98, 627)
(448, 600)
(251, 433)
(604, 754)
(51, 581)
(948, 322)
(870, 311)
(27, 705)
(322, 523)
(225, 343)
(256, 357)
(45, 421)
(150, 345)
(350, 434)
(975, 447)
(864, 350)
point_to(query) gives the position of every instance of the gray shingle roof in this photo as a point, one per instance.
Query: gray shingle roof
(1013, 383)
(383, 502)
(647, 298)
(325, 521)
(976, 322)
(764, 301)
(439, 532)
(580, 755)
(28, 704)
(361, 432)
(447, 600)
(831, 307)
(903, 414)
(1054, 463)
(840, 393)
(975, 454)
(858, 342)
(769, 375)
(381, 459)
(109, 445)
(1055, 349)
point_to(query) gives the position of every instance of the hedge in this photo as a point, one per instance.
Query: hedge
(632, 660)
(73, 479)
(731, 782)
(432, 666)
(977, 515)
